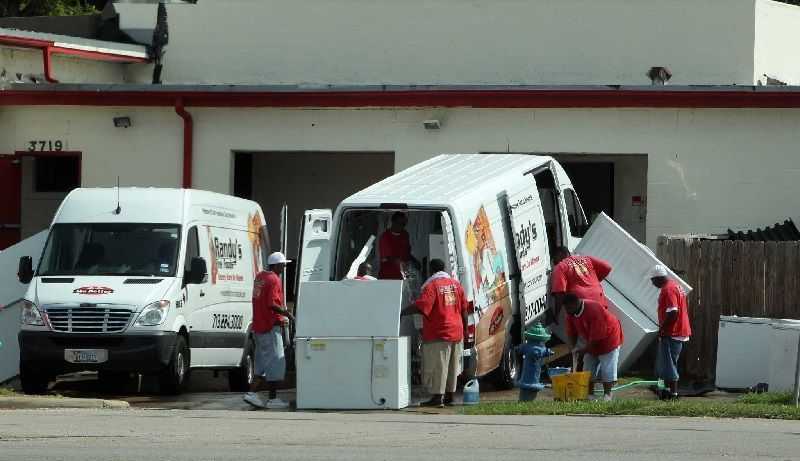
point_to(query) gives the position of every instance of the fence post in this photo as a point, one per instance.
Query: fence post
(797, 375)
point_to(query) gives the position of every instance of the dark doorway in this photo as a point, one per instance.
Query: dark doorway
(594, 184)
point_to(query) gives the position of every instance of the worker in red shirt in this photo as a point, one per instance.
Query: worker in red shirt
(674, 328)
(269, 317)
(364, 272)
(395, 249)
(443, 306)
(602, 334)
(581, 275)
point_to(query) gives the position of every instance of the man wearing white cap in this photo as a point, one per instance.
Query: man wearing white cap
(674, 328)
(269, 317)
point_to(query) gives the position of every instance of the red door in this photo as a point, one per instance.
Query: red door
(10, 200)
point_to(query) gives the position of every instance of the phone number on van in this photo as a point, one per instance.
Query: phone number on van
(227, 321)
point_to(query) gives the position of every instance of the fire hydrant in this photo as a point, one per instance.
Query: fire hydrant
(533, 351)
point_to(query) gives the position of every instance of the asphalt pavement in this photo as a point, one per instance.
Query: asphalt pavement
(87, 435)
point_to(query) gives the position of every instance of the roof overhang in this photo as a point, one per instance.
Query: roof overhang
(87, 49)
(701, 97)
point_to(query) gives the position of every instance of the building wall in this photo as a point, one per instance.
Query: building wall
(66, 69)
(777, 35)
(458, 42)
(707, 170)
(147, 154)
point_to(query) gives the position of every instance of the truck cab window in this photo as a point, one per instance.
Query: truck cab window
(577, 220)
(192, 250)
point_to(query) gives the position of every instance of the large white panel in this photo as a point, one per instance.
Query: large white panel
(349, 308)
(353, 373)
(10, 291)
(639, 330)
(630, 260)
(783, 357)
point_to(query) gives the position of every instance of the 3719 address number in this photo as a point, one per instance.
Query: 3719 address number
(46, 145)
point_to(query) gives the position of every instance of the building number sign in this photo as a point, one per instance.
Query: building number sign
(47, 145)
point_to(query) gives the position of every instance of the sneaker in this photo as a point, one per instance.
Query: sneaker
(449, 401)
(253, 399)
(277, 404)
(608, 397)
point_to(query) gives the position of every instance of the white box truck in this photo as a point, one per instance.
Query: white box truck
(143, 280)
(497, 219)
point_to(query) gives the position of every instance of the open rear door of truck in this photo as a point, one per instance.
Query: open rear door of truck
(533, 256)
(314, 251)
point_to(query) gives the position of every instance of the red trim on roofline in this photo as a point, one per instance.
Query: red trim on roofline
(476, 98)
(46, 45)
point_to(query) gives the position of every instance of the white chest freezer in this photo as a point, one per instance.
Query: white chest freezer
(353, 373)
(783, 356)
(742, 351)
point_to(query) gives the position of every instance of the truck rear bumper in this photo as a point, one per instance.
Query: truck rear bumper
(139, 353)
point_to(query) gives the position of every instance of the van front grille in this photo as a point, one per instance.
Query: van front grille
(89, 319)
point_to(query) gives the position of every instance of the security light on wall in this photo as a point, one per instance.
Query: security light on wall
(122, 122)
(432, 124)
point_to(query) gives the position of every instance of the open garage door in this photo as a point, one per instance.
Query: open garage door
(304, 181)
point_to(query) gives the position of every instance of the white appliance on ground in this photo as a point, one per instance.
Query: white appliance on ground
(783, 356)
(349, 352)
(742, 349)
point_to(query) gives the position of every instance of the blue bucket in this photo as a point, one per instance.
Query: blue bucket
(472, 392)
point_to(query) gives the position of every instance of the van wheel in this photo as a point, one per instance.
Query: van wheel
(239, 379)
(174, 379)
(32, 381)
(508, 372)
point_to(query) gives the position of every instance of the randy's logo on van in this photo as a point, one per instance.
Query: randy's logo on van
(525, 238)
(93, 291)
(228, 253)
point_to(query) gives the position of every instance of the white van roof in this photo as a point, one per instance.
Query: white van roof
(147, 205)
(448, 178)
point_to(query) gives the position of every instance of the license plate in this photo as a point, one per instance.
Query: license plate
(85, 355)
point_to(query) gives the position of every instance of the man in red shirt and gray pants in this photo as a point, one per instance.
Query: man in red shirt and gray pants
(443, 306)
(269, 317)
(581, 275)
(602, 333)
(674, 328)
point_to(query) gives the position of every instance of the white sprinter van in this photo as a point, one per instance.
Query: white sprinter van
(494, 219)
(143, 280)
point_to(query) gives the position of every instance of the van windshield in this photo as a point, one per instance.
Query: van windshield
(126, 249)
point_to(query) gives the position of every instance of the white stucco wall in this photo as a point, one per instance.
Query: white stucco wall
(777, 36)
(459, 42)
(707, 169)
(66, 69)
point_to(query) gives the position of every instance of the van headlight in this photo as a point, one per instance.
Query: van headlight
(30, 314)
(153, 314)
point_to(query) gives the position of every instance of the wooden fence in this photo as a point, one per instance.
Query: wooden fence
(752, 279)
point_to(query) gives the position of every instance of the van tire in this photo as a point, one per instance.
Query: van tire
(33, 383)
(506, 375)
(239, 379)
(175, 378)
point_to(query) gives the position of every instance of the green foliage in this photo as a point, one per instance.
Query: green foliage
(10, 8)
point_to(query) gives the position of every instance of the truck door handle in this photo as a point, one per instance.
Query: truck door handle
(202, 293)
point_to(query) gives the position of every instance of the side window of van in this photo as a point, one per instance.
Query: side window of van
(577, 220)
(192, 248)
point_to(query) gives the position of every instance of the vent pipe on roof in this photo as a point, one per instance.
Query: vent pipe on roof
(659, 75)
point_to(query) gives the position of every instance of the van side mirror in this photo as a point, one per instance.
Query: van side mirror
(197, 271)
(25, 271)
